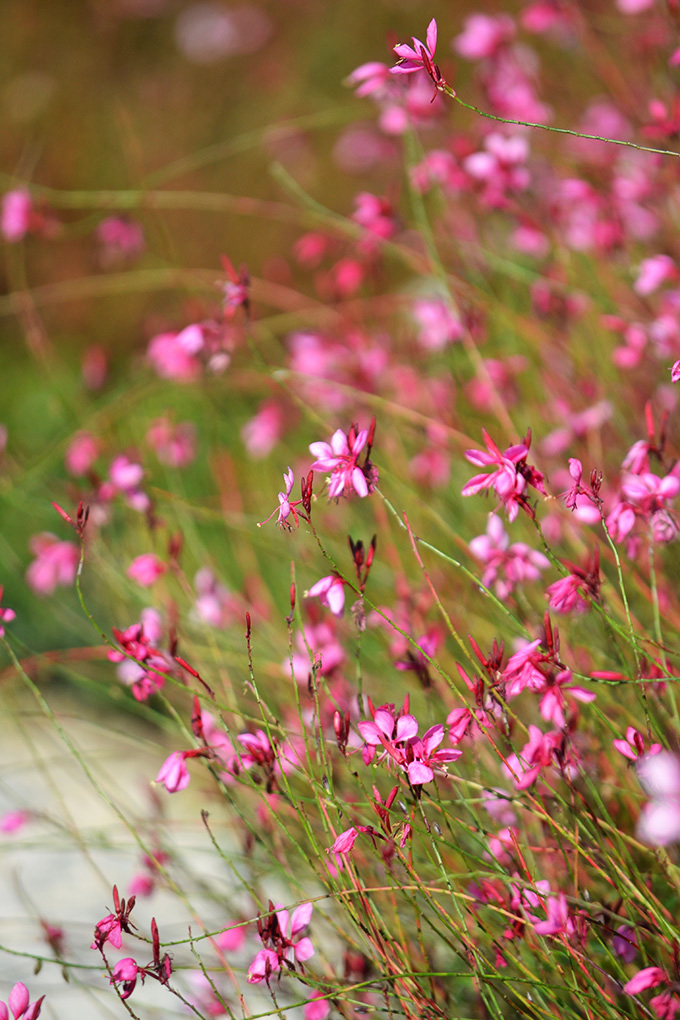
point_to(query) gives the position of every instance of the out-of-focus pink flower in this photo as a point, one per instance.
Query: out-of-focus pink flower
(175, 355)
(317, 1008)
(506, 565)
(634, 6)
(95, 367)
(344, 843)
(633, 747)
(483, 35)
(659, 821)
(16, 215)
(648, 977)
(174, 445)
(55, 563)
(261, 434)
(372, 79)
(121, 240)
(146, 569)
(81, 453)
(375, 214)
(174, 774)
(499, 168)
(653, 273)
(330, 591)
(231, 939)
(6, 614)
(13, 821)
(524, 768)
(625, 943)
(558, 920)
(438, 325)
(215, 604)
(20, 1005)
(125, 477)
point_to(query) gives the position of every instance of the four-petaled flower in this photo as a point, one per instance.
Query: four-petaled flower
(420, 56)
(510, 477)
(340, 457)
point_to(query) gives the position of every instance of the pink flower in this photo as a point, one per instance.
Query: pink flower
(109, 929)
(286, 508)
(483, 35)
(646, 978)
(675, 372)
(317, 1008)
(510, 477)
(173, 773)
(654, 272)
(633, 747)
(659, 821)
(505, 565)
(12, 821)
(375, 214)
(174, 445)
(231, 939)
(425, 759)
(558, 920)
(16, 216)
(215, 604)
(420, 57)
(126, 973)
(261, 434)
(175, 355)
(263, 966)
(536, 754)
(344, 843)
(438, 325)
(280, 934)
(330, 591)
(81, 453)
(340, 457)
(372, 79)
(55, 563)
(6, 614)
(146, 569)
(121, 240)
(19, 1004)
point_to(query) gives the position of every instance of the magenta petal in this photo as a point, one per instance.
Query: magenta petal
(18, 999)
(407, 728)
(419, 773)
(370, 732)
(431, 37)
(359, 482)
(303, 950)
(301, 918)
(384, 720)
(433, 738)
